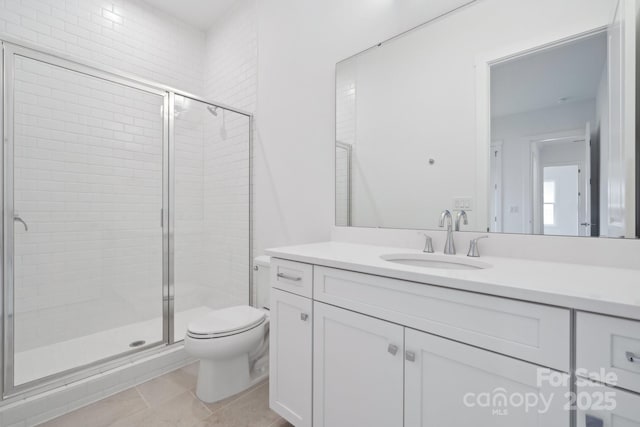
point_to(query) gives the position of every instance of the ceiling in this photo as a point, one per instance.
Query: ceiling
(541, 79)
(198, 13)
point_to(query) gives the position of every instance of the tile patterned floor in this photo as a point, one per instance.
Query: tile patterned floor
(169, 401)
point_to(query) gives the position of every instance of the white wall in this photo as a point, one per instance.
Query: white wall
(300, 41)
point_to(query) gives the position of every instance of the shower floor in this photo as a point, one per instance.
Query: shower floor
(51, 359)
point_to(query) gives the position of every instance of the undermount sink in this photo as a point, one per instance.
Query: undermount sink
(435, 261)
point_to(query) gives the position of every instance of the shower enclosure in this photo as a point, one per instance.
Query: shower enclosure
(126, 213)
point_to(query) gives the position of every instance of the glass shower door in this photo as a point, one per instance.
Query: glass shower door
(211, 210)
(84, 237)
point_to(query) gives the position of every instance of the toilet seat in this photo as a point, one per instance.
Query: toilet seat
(226, 322)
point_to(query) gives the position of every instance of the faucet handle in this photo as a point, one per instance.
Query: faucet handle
(473, 247)
(428, 244)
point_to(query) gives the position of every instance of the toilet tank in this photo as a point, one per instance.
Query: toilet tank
(261, 280)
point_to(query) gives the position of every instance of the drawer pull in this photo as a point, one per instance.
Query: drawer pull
(287, 277)
(393, 349)
(631, 357)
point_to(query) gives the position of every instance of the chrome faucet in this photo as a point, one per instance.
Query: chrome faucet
(449, 246)
(461, 215)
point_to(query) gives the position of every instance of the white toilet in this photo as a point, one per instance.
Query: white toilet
(232, 343)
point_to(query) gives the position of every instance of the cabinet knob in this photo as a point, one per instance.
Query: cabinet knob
(593, 422)
(632, 357)
(393, 349)
(304, 317)
(410, 356)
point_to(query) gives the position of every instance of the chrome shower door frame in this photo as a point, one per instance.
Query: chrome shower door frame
(11, 47)
(10, 51)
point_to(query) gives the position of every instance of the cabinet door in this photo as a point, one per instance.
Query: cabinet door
(358, 370)
(290, 357)
(455, 385)
(600, 406)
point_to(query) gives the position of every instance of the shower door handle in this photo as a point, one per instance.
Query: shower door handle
(17, 218)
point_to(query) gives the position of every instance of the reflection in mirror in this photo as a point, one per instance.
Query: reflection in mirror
(549, 110)
(524, 119)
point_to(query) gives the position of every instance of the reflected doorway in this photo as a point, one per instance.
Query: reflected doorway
(561, 200)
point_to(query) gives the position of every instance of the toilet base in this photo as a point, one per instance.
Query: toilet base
(222, 378)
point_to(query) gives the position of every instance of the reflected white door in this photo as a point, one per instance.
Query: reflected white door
(561, 200)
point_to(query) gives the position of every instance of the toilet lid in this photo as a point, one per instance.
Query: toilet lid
(227, 320)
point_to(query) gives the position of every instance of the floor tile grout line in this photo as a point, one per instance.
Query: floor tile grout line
(193, 395)
(280, 419)
(188, 391)
(237, 397)
(142, 396)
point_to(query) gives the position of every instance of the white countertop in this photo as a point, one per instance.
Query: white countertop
(612, 291)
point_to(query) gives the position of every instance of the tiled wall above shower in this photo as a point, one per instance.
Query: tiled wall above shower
(231, 65)
(128, 35)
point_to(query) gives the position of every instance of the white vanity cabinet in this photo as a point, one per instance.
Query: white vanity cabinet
(358, 370)
(455, 385)
(290, 356)
(369, 372)
(380, 351)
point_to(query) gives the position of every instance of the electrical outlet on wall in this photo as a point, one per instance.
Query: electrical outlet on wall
(462, 203)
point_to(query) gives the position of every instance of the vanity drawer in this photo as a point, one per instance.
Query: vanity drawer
(611, 344)
(291, 276)
(536, 333)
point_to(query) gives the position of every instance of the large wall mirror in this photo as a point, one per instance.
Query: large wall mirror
(519, 113)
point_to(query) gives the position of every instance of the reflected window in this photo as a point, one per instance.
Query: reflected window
(549, 197)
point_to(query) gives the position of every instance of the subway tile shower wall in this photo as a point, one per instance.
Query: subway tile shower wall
(232, 57)
(127, 35)
(231, 78)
